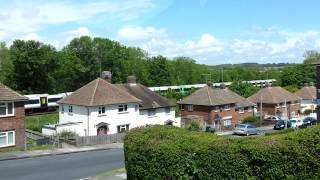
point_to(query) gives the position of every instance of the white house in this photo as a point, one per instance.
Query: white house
(308, 98)
(101, 108)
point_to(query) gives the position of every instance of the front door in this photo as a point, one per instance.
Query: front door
(101, 131)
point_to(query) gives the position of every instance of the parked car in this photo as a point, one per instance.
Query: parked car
(245, 129)
(308, 121)
(273, 118)
(282, 124)
(296, 123)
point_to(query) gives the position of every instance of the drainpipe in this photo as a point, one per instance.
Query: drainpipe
(88, 121)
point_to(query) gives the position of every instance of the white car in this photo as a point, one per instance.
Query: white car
(296, 123)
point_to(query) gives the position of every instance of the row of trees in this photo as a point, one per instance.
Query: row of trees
(35, 67)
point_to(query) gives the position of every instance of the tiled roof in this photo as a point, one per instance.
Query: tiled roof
(149, 98)
(208, 96)
(273, 95)
(307, 92)
(7, 94)
(99, 92)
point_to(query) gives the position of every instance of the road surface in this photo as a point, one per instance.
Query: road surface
(62, 167)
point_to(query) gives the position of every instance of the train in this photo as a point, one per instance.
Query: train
(38, 103)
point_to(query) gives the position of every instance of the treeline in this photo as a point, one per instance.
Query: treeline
(35, 67)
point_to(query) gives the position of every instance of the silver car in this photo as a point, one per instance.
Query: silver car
(245, 129)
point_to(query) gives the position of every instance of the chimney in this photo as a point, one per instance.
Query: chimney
(209, 83)
(132, 80)
(222, 86)
(106, 75)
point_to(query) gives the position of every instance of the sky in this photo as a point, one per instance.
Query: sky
(209, 31)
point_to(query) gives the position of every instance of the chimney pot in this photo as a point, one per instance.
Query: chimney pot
(132, 80)
(106, 75)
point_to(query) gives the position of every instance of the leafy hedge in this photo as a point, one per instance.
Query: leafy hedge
(165, 152)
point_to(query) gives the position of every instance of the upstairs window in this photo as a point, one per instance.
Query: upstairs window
(70, 109)
(6, 109)
(136, 108)
(62, 108)
(189, 107)
(167, 110)
(241, 110)
(102, 110)
(122, 108)
(226, 107)
(151, 112)
(216, 109)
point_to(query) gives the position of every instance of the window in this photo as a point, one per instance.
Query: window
(189, 107)
(151, 112)
(102, 110)
(226, 107)
(122, 108)
(181, 107)
(136, 108)
(241, 110)
(216, 109)
(7, 139)
(123, 128)
(33, 101)
(62, 108)
(277, 106)
(227, 122)
(53, 100)
(249, 109)
(167, 110)
(6, 109)
(70, 109)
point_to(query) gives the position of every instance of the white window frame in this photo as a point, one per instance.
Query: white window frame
(122, 108)
(277, 106)
(216, 109)
(241, 110)
(249, 109)
(123, 126)
(189, 107)
(102, 110)
(136, 108)
(5, 104)
(153, 114)
(229, 120)
(6, 134)
(226, 107)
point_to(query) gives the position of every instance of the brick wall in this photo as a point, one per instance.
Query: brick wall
(270, 109)
(15, 123)
(208, 113)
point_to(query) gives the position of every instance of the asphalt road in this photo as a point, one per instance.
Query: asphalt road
(62, 167)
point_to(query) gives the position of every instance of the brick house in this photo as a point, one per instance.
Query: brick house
(12, 130)
(218, 108)
(308, 95)
(277, 101)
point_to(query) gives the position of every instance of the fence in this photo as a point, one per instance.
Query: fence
(95, 140)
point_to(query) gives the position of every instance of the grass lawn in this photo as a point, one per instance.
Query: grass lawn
(35, 122)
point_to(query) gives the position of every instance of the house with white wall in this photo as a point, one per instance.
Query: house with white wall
(154, 108)
(308, 95)
(101, 108)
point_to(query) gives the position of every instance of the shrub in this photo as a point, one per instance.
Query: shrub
(252, 120)
(165, 152)
(67, 134)
(194, 126)
(307, 112)
(33, 127)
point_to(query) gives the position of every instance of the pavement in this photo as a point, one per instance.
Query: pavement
(72, 166)
(67, 149)
(117, 174)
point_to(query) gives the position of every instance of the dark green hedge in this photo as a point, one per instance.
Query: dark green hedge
(164, 152)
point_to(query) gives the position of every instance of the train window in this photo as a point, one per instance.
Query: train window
(53, 100)
(33, 101)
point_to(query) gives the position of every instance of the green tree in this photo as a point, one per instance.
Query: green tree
(243, 89)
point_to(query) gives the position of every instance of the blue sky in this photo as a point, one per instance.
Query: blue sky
(210, 31)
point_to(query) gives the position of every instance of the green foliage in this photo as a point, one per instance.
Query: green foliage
(35, 123)
(67, 134)
(308, 111)
(252, 120)
(283, 131)
(194, 126)
(162, 152)
(243, 89)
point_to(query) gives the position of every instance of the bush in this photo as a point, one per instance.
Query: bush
(252, 120)
(307, 112)
(33, 127)
(194, 126)
(165, 152)
(67, 134)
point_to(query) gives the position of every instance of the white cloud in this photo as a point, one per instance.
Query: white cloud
(30, 36)
(272, 45)
(22, 18)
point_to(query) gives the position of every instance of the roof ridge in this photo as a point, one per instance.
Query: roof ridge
(94, 92)
(209, 95)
